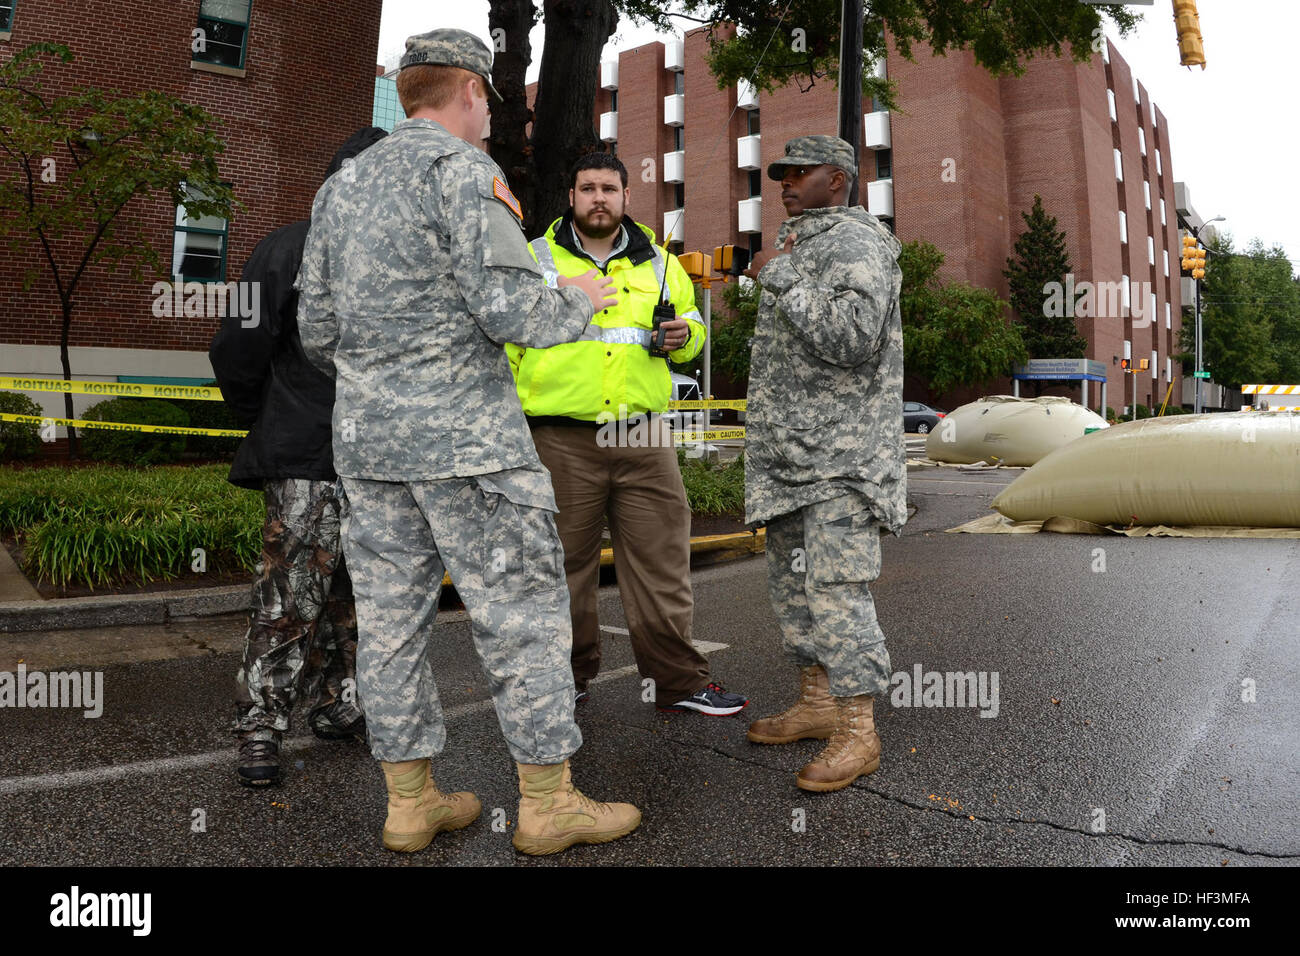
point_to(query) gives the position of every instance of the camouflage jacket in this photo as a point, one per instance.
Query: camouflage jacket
(416, 272)
(825, 411)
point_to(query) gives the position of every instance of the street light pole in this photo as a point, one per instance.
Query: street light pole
(1196, 234)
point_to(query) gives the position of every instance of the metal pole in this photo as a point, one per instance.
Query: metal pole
(1199, 407)
(708, 351)
(851, 87)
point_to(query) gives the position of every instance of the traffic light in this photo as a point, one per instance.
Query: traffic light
(729, 260)
(1123, 364)
(693, 263)
(1188, 22)
(1193, 260)
(1144, 365)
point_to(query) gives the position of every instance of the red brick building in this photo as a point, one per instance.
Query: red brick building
(290, 82)
(955, 166)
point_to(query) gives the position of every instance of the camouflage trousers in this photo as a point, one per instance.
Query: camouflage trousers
(508, 566)
(302, 635)
(820, 559)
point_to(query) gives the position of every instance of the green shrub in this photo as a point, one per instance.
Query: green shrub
(713, 488)
(107, 524)
(134, 448)
(19, 439)
(204, 414)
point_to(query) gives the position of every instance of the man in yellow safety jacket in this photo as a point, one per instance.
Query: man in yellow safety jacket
(594, 409)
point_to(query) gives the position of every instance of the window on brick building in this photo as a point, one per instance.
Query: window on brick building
(679, 81)
(613, 101)
(755, 182)
(225, 32)
(755, 244)
(198, 244)
(7, 15)
(679, 195)
(753, 122)
(1123, 226)
(679, 137)
(1119, 166)
(884, 163)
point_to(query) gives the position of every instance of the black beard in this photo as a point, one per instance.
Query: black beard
(588, 228)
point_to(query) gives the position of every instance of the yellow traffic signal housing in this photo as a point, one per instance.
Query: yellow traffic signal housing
(1191, 52)
(722, 258)
(693, 263)
(1144, 365)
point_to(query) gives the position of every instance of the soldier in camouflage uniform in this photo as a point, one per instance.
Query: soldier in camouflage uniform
(824, 462)
(416, 273)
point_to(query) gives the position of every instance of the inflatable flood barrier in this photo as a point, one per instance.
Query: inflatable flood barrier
(1234, 468)
(1006, 430)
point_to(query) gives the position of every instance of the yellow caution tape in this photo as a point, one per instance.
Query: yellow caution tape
(713, 434)
(123, 389)
(736, 403)
(143, 390)
(123, 426)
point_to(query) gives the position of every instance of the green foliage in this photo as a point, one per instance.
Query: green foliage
(1042, 257)
(733, 329)
(1250, 316)
(18, 439)
(70, 166)
(1001, 36)
(108, 525)
(133, 146)
(205, 414)
(130, 447)
(954, 334)
(713, 488)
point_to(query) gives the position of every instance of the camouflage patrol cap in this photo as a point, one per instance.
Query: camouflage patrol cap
(815, 151)
(448, 47)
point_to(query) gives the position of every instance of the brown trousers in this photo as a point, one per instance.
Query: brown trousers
(639, 490)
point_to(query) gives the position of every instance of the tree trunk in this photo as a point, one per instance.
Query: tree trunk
(508, 143)
(563, 128)
(67, 377)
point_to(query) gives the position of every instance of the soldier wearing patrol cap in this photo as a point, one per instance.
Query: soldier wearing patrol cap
(416, 272)
(824, 463)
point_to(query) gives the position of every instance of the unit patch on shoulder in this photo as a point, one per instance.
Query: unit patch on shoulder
(502, 192)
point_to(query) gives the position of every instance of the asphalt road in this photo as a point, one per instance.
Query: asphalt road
(1120, 738)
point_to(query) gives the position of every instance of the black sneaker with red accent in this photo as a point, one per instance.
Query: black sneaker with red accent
(712, 701)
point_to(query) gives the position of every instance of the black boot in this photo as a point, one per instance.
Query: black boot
(259, 761)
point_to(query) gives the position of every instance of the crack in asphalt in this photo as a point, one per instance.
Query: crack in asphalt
(982, 818)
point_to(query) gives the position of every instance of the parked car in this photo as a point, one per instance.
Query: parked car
(920, 418)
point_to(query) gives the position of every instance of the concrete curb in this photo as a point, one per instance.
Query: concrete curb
(157, 608)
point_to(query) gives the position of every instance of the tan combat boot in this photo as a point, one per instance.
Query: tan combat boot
(418, 810)
(812, 716)
(854, 749)
(554, 814)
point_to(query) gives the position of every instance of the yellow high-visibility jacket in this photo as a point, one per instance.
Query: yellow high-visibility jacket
(609, 370)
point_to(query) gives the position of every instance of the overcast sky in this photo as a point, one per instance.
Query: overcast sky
(1230, 127)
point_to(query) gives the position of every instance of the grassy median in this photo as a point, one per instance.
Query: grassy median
(109, 526)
